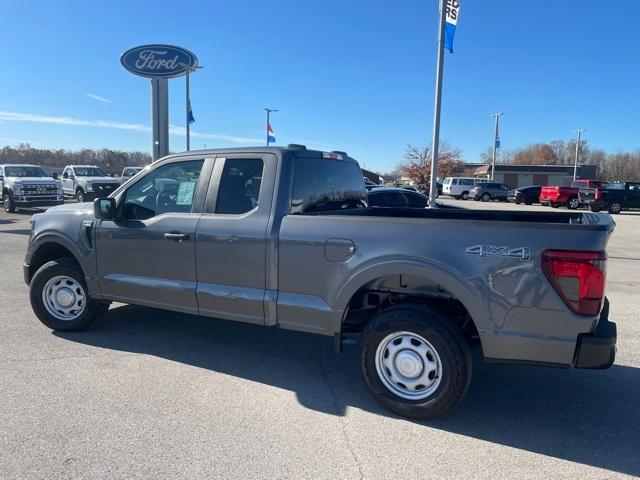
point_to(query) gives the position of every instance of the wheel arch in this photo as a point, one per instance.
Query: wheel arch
(435, 274)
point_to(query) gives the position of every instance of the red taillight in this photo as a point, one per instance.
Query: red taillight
(578, 277)
(597, 194)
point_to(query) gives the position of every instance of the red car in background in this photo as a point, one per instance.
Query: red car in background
(566, 195)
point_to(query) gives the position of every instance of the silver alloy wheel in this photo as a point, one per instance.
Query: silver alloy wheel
(465, 195)
(615, 207)
(408, 365)
(574, 203)
(64, 298)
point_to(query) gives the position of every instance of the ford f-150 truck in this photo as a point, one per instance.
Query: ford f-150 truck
(566, 195)
(86, 182)
(613, 197)
(283, 237)
(27, 186)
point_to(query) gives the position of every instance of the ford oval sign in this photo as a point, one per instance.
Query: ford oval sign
(158, 61)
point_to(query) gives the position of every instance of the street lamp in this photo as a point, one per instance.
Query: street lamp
(575, 163)
(188, 70)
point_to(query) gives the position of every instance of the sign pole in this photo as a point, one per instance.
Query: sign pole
(188, 100)
(433, 185)
(160, 117)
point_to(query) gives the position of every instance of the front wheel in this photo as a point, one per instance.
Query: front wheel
(80, 195)
(594, 209)
(60, 299)
(485, 197)
(8, 204)
(415, 361)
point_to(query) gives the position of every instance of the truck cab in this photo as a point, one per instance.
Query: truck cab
(87, 182)
(28, 186)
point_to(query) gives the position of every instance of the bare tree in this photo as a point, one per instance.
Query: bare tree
(417, 162)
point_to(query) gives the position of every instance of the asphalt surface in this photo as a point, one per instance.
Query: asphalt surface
(152, 394)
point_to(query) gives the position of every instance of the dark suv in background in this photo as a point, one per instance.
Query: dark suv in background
(489, 191)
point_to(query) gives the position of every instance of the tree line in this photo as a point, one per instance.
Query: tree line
(622, 166)
(112, 161)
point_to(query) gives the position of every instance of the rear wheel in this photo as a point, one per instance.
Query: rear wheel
(573, 203)
(518, 201)
(554, 205)
(465, 196)
(594, 209)
(528, 203)
(8, 204)
(415, 361)
(60, 299)
(615, 207)
(485, 197)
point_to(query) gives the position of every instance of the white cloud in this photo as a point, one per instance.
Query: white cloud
(136, 127)
(98, 97)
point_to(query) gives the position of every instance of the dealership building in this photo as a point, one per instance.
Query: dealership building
(523, 175)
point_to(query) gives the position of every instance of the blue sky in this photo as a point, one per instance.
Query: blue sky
(348, 75)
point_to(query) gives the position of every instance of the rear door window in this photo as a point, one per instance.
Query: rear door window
(239, 185)
(324, 185)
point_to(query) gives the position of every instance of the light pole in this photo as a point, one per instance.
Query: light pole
(188, 70)
(269, 112)
(495, 143)
(575, 163)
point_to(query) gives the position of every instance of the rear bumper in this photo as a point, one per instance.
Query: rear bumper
(597, 349)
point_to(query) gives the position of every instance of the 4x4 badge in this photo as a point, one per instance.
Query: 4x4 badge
(523, 253)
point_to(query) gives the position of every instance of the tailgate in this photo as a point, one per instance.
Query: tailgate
(587, 195)
(549, 193)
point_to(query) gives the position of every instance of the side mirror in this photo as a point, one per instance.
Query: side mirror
(104, 208)
(54, 175)
(65, 175)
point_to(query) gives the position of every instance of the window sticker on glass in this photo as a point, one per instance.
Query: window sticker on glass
(185, 193)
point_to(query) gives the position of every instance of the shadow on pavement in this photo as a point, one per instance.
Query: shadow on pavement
(589, 417)
(19, 231)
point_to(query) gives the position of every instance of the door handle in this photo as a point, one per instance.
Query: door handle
(176, 236)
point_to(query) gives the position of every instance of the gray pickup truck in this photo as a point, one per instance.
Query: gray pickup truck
(28, 186)
(283, 237)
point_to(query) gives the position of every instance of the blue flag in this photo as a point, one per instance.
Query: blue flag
(191, 117)
(497, 142)
(452, 12)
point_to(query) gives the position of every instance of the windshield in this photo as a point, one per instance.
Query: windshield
(89, 172)
(25, 172)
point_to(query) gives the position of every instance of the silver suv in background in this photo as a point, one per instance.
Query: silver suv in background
(26, 186)
(86, 182)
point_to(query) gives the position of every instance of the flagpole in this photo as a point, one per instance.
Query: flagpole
(433, 185)
(495, 143)
(268, 110)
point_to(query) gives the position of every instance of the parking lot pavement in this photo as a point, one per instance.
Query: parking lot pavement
(152, 394)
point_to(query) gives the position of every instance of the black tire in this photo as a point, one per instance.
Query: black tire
(528, 203)
(573, 203)
(7, 201)
(518, 202)
(485, 197)
(80, 195)
(457, 197)
(554, 205)
(594, 209)
(615, 207)
(446, 339)
(465, 196)
(93, 309)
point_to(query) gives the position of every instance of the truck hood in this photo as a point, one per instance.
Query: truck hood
(32, 180)
(85, 209)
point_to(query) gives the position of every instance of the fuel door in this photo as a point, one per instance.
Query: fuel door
(339, 249)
